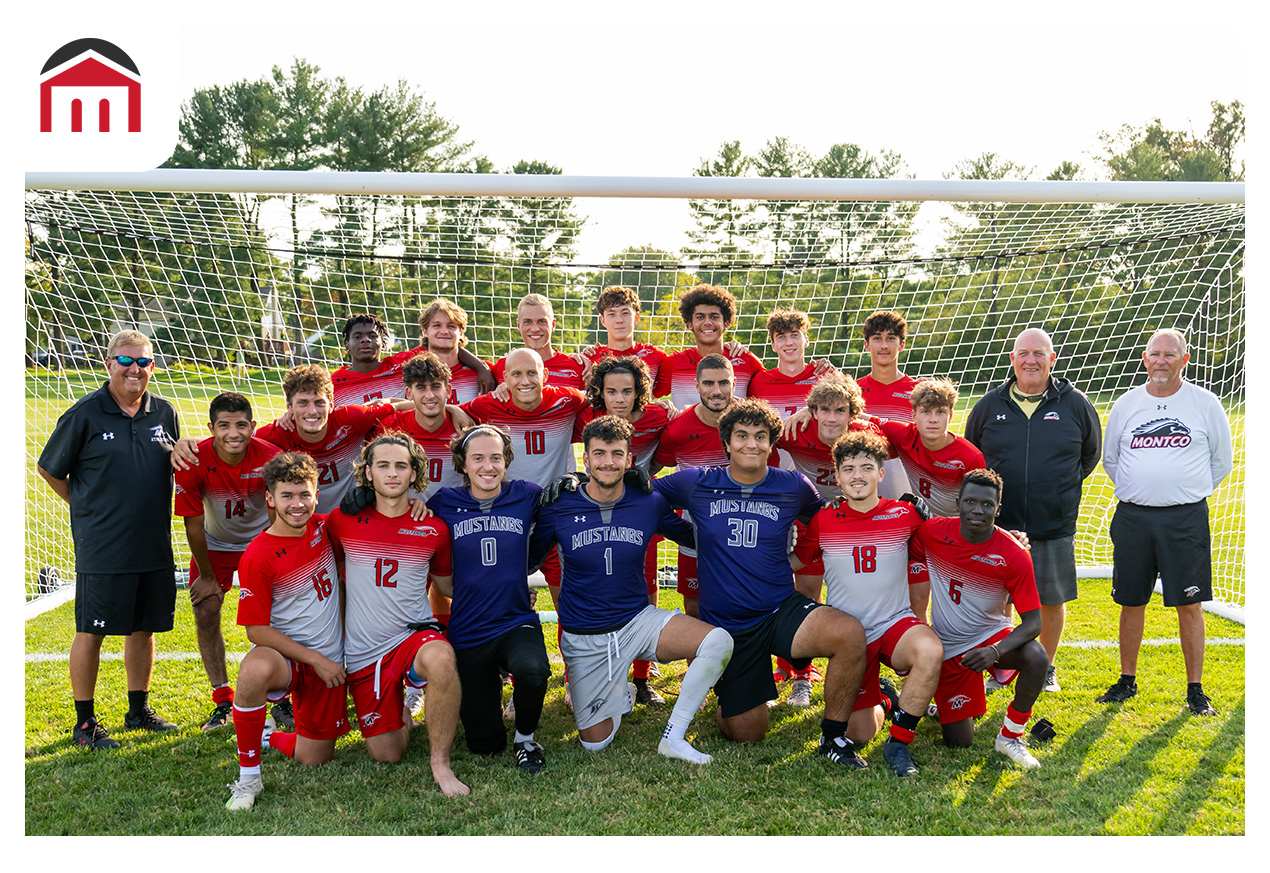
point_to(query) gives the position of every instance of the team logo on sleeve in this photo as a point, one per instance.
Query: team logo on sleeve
(1161, 433)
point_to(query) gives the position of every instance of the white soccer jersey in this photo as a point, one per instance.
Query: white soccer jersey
(541, 437)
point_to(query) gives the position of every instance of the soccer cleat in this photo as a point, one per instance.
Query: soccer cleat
(896, 754)
(991, 684)
(529, 757)
(414, 700)
(800, 693)
(654, 671)
(842, 751)
(243, 793)
(266, 732)
(889, 692)
(647, 695)
(1118, 693)
(1198, 703)
(91, 735)
(222, 716)
(509, 711)
(147, 720)
(1051, 681)
(932, 711)
(283, 715)
(1017, 751)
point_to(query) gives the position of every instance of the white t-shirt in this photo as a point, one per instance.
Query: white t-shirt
(1167, 451)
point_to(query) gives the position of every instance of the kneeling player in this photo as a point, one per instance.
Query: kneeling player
(864, 543)
(289, 603)
(390, 635)
(603, 530)
(975, 567)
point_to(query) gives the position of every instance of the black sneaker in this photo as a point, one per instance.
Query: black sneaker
(91, 735)
(896, 754)
(283, 716)
(222, 716)
(1197, 701)
(147, 720)
(890, 693)
(1118, 693)
(529, 757)
(842, 751)
(647, 695)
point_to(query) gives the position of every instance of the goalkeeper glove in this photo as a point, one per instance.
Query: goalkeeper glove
(918, 503)
(358, 498)
(637, 478)
(567, 482)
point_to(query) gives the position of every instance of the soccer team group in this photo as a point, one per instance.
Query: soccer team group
(382, 531)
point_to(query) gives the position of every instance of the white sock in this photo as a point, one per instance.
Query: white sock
(595, 747)
(708, 664)
(522, 738)
(246, 774)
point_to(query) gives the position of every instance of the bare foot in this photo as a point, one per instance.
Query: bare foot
(449, 783)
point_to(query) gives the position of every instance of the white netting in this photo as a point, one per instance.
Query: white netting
(233, 288)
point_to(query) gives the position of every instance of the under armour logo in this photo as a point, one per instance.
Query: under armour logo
(250, 753)
(97, 622)
(108, 436)
(1001, 418)
(578, 518)
(281, 553)
(1161, 406)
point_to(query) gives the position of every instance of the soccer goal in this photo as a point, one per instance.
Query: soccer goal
(237, 275)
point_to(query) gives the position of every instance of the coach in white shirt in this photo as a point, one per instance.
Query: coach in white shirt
(1167, 448)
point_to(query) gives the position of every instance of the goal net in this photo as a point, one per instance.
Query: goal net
(235, 281)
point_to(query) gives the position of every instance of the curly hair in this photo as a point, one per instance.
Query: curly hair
(861, 442)
(990, 478)
(617, 295)
(418, 457)
(787, 321)
(424, 369)
(832, 390)
(310, 378)
(294, 467)
(755, 412)
(886, 320)
(707, 295)
(607, 429)
(934, 394)
(639, 372)
(459, 445)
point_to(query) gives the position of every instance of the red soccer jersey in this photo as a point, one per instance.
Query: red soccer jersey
(888, 400)
(386, 566)
(436, 445)
(464, 385)
(381, 383)
(291, 585)
(563, 371)
(868, 562)
(678, 376)
(541, 437)
(690, 442)
(346, 432)
(230, 497)
(814, 459)
(646, 352)
(786, 394)
(936, 475)
(970, 583)
(652, 423)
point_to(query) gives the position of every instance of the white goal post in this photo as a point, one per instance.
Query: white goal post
(238, 273)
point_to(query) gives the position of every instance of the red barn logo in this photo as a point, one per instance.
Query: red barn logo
(90, 85)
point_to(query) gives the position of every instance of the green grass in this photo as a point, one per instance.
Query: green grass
(1144, 767)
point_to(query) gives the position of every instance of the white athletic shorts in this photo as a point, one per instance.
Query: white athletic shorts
(599, 663)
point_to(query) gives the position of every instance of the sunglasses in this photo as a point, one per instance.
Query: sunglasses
(128, 361)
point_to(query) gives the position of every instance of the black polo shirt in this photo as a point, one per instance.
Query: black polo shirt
(120, 473)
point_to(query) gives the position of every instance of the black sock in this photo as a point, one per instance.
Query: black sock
(137, 701)
(1127, 679)
(906, 720)
(833, 730)
(1195, 686)
(83, 710)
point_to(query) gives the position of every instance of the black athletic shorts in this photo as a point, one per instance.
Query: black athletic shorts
(117, 604)
(1054, 562)
(747, 682)
(1172, 542)
(522, 653)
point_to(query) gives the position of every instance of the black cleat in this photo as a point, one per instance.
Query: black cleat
(283, 716)
(842, 751)
(222, 716)
(146, 720)
(896, 754)
(647, 695)
(529, 757)
(889, 692)
(91, 735)
(1118, 693)
(1197, 702)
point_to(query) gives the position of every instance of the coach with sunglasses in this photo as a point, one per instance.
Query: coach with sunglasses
(109, 458)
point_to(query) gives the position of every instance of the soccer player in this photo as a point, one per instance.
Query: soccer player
(390, 636)
(1168, 448)
(885, 389)
(603, 530)
(707, 311)
(975, 567)
(443, 329)
(493, 625)
(786, 385)
(535, 320)
(619, 312)
(742, 514)
(622, 387)
(864, 545)
(222, 502)
(289, 603)
(427, 421)
(108, 459)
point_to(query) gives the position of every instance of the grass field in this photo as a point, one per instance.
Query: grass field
(1144, 767)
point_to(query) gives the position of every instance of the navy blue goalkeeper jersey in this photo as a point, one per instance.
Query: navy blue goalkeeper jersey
(602, 548)
(743, 572)
(490, 545)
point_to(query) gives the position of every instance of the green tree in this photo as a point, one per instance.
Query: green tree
(724, 228)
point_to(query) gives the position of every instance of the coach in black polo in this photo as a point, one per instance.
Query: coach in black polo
(109, 458)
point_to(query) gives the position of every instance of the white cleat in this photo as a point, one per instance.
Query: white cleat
(269, 728)
(800, 693)
(414, 701)
(1017, 751)
(243, 793)
(683, 751)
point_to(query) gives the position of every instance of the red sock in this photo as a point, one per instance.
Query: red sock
(805, 675)
(783, 666)
(284, 742)
(223, 694)
(1015, 721)
(639, 669)
(248, 725)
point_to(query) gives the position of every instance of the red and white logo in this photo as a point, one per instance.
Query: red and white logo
(90, 85)
(992, 560)
(958, 701)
